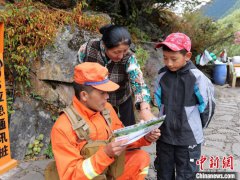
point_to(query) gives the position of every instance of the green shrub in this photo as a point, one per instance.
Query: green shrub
(29, 27)
(142, 55)
(35, 148)
(48, 152)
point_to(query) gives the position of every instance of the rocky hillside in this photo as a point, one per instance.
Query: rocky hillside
(232, 24)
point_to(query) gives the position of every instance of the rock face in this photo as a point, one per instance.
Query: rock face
(58, 60)
(51, 79)
(153, 64)
(27, 122)
(53, 74)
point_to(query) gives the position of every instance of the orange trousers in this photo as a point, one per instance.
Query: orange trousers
(136, 165)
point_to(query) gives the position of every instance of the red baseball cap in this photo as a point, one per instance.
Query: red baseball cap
(95, 75)
(176, 42)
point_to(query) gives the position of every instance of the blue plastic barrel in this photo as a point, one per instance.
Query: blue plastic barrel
(220, 74)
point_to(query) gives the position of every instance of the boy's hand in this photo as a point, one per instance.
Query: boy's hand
(153, 135)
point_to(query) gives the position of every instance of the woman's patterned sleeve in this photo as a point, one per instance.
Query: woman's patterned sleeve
(139, 87)
(81, 53)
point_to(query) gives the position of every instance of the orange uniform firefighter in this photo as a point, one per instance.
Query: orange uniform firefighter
(91, 120)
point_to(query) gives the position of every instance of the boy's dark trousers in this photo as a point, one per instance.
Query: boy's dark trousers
(180, 158)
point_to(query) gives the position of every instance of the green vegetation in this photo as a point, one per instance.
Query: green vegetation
(35, 96)
(142, 55)
(35, 148)
(48, 152)
(236, 6)
(54, 118)
(30, 26)
(9, 106)
(92, 22)
(137, 34)
(204, 33)
(231, 24)
(207, 34)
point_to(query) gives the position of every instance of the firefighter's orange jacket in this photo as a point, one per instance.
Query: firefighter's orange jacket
(66, 145)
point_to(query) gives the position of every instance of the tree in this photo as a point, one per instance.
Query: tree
(126, 8)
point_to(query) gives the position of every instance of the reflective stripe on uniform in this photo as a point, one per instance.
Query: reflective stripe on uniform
(88, 169)
(145, 170)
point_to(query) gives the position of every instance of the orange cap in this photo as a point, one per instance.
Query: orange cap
(95, 75)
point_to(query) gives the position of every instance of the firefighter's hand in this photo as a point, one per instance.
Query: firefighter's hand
(113, 149)
(153, 135)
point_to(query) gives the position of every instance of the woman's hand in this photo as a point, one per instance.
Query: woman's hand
(146, 114)
(145, 111)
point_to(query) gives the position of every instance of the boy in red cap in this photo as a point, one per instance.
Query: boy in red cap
(81, 137)
(185, 95)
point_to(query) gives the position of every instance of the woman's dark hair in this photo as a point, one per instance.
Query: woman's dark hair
(114, 35)
(166, 48)
(79, 88)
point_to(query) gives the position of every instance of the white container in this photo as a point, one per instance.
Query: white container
(236, 59)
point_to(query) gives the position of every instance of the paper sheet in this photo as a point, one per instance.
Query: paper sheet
(137, 131)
